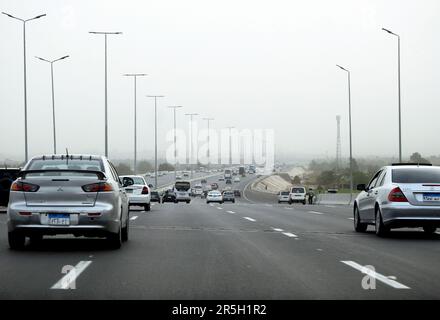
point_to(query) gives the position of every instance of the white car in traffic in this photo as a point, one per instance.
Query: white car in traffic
(214, 196)
(138, 193)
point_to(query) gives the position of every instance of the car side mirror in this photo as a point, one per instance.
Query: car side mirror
(150, 185)
(126, 182)
(361, 187)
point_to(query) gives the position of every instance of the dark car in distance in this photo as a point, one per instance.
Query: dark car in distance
(228, 196)
(169, 196)
(155, 196)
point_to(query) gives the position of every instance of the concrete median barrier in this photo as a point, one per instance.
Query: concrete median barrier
(334, 198)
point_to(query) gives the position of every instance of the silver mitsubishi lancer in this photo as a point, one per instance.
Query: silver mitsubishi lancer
(400, 196)
(68, 194)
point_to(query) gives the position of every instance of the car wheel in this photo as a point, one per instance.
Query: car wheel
(304, 202)
(429, 229)
(115, 239)
(207, 202)
(233, 201)
(290, 202)
(358, 226)
(124, 235)
(16, 240)
(147, 207)
(187, 202)
(36, 239)
(381, 229)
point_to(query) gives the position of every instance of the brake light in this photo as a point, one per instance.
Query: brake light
(396, 195)
(145, 190)
(24, 186)
(98, 187)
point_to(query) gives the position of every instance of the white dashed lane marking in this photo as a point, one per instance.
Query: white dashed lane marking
(231, 212)
(315, 212)
(290, 235)
(277, 229)
(390, 280)
(134, 218)
(350, 218)
(250, 219)
(71, 276)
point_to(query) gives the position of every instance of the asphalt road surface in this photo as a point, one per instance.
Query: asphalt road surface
(253, 249)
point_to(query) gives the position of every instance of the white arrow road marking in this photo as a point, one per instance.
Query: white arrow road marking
(374, 274)
(134, 218)
(250, 219)
(66, 281)
(290, 235)
(315, 212)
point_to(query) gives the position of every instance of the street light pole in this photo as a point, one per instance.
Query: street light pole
(155, 138)
(53, 98)
(349, 126)
(230, 145)
(26, 149)
(191, 115)
(105, 84)
(135, 75)
(209, 142)
(175, 140)
(398, 86)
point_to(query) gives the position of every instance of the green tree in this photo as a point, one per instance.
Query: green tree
(123, 169)
(145, 166)
(327, 178)
(417, 158)
(166, 167)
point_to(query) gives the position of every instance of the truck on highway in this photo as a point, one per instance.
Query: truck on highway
(228, 174)
(252, 169)
(242, 171)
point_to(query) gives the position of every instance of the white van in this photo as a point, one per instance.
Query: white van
(182, 190)
(297, 194)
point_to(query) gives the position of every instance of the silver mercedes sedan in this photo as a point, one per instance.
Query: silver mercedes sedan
(399, 196)
(74, 194)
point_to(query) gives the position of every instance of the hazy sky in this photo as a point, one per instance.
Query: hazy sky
(247, 63)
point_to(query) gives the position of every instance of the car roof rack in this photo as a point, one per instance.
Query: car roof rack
(411, 164)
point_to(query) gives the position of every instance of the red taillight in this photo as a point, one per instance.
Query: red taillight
(25, 187)
(98, 187)
(145, 190)
(27, 214)
(396, 195)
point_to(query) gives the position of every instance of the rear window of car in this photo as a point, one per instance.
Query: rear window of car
(58, 164)
(138, 180)
(285, 193)
(416, 175)
(298, 190)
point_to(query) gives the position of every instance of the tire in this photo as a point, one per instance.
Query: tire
(147, 207)
(304, 202)
(290, 202)
(358, 226)
(115, 239)
(233, 201)
(207, 202)
(429, 229)
(125, 231)
(188, 201)
(16, 240)
(381, 229)
(279, 202)
(36, 239)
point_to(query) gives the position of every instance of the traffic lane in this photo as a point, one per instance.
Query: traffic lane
(411, 255)
(198, 251)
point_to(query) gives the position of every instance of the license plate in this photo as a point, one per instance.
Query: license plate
(129, 190)
(59, 219)
(431, 197)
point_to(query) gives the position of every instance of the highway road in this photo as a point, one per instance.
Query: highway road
(253, 249)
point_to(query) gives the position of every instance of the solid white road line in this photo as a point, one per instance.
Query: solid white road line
(232, 212)
(250, 219)
(378, 276)
(330, 206)
(134, 218)
(288, 208)
(66, 281)
(277, 229)
(315, 212)
(290, 235)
